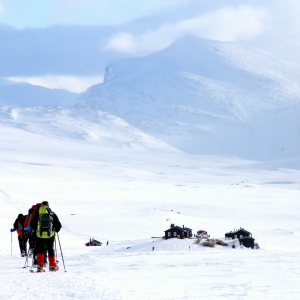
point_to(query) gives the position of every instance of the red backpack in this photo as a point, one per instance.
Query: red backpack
(36, 209)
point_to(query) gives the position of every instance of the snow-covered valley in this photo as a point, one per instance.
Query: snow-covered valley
(113, 166)
(128, 196)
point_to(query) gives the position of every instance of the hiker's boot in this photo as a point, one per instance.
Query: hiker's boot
(40, 262)
(53, 267)
(34, 264)
(39, 269)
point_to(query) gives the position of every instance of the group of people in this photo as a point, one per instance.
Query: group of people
(38, 228)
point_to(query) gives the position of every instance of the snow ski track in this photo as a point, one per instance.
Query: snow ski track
(7, 200)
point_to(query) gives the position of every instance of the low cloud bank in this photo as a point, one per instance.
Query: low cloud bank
(227, 24)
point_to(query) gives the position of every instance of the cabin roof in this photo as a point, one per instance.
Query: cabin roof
(179, 228)
(94, 241)
(238, 230)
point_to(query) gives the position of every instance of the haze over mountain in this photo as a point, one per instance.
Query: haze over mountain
(207, 97)
(25, 94)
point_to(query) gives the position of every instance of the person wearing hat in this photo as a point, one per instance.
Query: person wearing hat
(46, 223)
(22, 235)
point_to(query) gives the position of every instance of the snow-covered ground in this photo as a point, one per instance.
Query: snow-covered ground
(109, 180)
(126, 196)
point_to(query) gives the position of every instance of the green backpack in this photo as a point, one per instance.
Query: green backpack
(45, 227)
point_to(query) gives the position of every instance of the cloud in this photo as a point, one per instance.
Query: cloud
(69, 83)
(227, 24)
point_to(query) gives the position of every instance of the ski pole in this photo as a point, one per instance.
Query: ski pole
(56, 251)
(61, 252)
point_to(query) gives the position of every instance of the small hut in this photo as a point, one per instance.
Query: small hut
(245, 237)
(93, 242)
(178, 232)
(238, 233)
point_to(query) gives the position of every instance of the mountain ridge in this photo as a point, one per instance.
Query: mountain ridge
(206, 97)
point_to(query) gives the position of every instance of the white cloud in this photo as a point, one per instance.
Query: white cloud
(226, 24)
(69, 83)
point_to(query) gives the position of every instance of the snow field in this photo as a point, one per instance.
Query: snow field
(108, 180)
(127, 197)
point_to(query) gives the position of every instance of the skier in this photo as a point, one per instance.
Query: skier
(22, 235)
(46, 223)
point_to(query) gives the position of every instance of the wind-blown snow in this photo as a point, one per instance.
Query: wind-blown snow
(207, 97)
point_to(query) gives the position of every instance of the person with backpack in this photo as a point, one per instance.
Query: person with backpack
(46, 223)
(22, 235)
(32, 235)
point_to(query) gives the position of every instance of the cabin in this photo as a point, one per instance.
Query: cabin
(93, 242)
(178, 232)
(245, 237)
(247, 242)
(238, 233)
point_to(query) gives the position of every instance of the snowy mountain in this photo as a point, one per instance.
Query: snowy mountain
(25, 94)
(80, 125)
(107, 180)
(207, 97)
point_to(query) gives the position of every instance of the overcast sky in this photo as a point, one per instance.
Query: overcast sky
(66, 43)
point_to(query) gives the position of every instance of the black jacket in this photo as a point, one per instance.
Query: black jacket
(19, 223)
(56, 223)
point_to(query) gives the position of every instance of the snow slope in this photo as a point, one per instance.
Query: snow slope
(107, 180)
(84, 125)
(25, 94)
(207, 97)
(128, 196)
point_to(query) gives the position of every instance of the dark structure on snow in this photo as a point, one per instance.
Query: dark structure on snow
(245, 237)
(93, 242)
(178, 232)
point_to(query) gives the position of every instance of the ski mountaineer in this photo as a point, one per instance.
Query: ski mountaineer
(22, 235)
(46, 223)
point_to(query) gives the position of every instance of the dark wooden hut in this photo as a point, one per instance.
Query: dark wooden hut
(178, 232)
(238, 233)
(93, 242)
(245, 237)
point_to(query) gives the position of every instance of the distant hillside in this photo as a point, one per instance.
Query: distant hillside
(25, 94)
(207, 97)
(78, 125)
